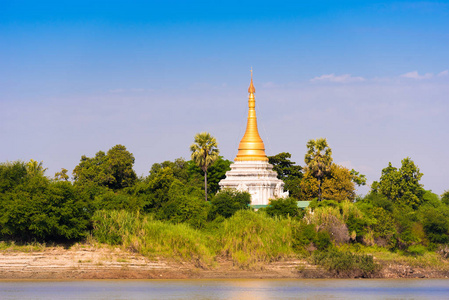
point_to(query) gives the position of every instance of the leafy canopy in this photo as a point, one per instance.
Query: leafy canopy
(284, 207)
(445, 198)
(284, 166)
(215, 173)
(33, 207)
(112, 170)
(228, 201)
(287, 171)
(401, 185)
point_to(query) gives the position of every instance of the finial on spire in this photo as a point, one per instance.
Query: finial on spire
(251, 88)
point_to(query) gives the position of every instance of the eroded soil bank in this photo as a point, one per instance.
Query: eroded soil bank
(91, 262)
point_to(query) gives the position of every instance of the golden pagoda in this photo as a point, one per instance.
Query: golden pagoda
(251, 146)
(251, 171)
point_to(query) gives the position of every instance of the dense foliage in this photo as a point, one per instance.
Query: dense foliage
(32, 207)
(113, 170)
(227, 202)
(345, 263)
(284, 207)
(337, 184)
(164, 213)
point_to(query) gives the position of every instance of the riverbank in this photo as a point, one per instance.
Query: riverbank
(87, 261)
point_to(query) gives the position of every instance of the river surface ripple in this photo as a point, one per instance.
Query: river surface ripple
(227, 289)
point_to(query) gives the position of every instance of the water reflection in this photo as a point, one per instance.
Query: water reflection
(227, 289)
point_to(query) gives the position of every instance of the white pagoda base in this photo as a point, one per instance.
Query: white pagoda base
(257, 178)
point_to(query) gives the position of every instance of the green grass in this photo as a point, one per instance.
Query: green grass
(113, 226)
(153, 238)
(249, 238)
(28, 247)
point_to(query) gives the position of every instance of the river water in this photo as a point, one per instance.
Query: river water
(227, 289)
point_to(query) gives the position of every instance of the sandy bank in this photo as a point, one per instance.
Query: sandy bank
(90, 262)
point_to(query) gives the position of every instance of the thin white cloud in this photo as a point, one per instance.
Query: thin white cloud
(415, 75)
(443, 73)
(345, 78)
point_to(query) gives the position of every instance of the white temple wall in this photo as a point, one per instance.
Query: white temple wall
(257, 178)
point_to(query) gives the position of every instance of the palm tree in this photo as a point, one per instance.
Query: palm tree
(319, 160)
(204, 153)
(35, 168)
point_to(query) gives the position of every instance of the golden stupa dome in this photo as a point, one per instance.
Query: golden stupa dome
(251, 147)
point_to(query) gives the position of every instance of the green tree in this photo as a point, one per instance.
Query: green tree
(204, 153)
(120, 164)
(287, 171)
(284, 166)
(445, 198)
(92, 170)
(40, 209)
(401, 186)
(383, 226)
(35, 168)
(308, 187)
(179, 167)
(156, 188)
(184, 205)
(436, 223)
(228, 201)
(11, 175)
(215, 173)
(305, 234)
(119, 200)
(112, 170)
(62, 175)
(338, 184)
(377, 200)
(284, 207)
(318, 160)
(358, 178)
(431, 198)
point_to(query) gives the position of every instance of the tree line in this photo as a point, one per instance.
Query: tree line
(397, 213)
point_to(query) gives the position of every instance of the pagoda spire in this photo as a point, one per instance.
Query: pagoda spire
(251, 89)
(251, 147)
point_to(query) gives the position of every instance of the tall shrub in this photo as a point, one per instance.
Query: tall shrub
(227, 202)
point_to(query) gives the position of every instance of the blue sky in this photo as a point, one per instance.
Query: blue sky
(371, 77)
